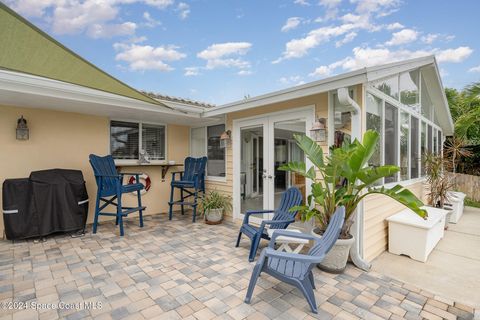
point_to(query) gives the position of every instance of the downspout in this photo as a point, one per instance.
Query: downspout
(357, 227)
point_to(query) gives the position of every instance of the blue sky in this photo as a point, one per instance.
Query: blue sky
(219, 51)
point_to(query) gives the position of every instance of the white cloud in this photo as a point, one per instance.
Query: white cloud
(244, 72)
(474, 69)
(351, 23)
(111, 30)
(96, 18)
(348, 38)
(394, 26)
(291, 24)
(402, 37)
(226, 55)
(140, 58)
(375, 6)
(191, 71)
(367, 57)
(184, 10)
(150, 21)
(331, 7)
(430, 38)
(291, 81)
(302, 2)
(454, 55)
(161, 4)
(321, 71)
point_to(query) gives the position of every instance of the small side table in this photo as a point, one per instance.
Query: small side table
(285, 241)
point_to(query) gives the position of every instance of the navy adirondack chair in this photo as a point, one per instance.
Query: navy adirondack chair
(281, 219)
(293, 268)
(110, 187)
(191, 182)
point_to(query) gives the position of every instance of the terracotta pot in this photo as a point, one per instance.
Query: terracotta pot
(336, 259)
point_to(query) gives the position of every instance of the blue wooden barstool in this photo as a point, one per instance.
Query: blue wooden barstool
(110, 185)
(191, 181)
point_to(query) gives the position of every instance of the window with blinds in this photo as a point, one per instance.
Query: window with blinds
(153, 141)
(127, 139)
(124, 140)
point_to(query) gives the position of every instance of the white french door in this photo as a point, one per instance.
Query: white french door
(260, 146)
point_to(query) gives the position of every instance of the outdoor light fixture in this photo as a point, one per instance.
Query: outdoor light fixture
(22, 129)
(224, 138)
(318, 132)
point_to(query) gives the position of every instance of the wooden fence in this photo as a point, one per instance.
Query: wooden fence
(468, 184)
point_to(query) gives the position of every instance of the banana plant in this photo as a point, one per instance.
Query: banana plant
(344, 178)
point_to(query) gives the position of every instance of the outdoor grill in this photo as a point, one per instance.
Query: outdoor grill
(47, 202)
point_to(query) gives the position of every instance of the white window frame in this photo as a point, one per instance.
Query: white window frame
(404, 108)
(140, 142)
(207, 177)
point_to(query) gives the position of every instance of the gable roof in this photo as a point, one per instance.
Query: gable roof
(360, 76)
(27, 49)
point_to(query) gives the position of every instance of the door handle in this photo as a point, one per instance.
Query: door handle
(271, 177)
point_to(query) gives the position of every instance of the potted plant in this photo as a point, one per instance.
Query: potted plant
(439, 183)
(213, 206)
(344, 178)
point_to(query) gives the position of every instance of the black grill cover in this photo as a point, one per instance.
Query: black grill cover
(49, 201)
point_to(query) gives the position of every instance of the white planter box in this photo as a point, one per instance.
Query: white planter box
(413, 236)
(456, 200)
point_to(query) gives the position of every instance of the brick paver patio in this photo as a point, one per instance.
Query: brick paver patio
(179, 270)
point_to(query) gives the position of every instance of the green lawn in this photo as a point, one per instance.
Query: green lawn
(472, 203)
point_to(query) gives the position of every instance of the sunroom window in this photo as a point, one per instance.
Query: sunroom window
(388, 86)
(374, 122)
(414, 154)
(404, 137)
(409, 83)
(391, 138)
(127, 139)
(423, 146)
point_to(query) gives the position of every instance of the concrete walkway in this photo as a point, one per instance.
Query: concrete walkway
(452, 269)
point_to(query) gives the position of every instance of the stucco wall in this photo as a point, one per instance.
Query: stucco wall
(64, 140)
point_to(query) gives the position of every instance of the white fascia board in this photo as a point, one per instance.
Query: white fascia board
(22, 83)
(332, 83)
(444, 98)
(386, 70)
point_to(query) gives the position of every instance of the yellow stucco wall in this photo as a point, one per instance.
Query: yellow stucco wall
(64, 140)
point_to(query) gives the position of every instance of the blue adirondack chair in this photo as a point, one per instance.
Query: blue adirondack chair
(110, 187)
(281, 219)
(293, 268)
(191, 181)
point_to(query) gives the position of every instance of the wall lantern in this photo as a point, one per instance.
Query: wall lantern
(318, 132)
(224, 138)
(22, 129)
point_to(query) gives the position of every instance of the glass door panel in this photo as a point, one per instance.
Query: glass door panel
(252, 171)
(286, 150)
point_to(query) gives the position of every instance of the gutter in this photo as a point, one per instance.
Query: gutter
(357, 227)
